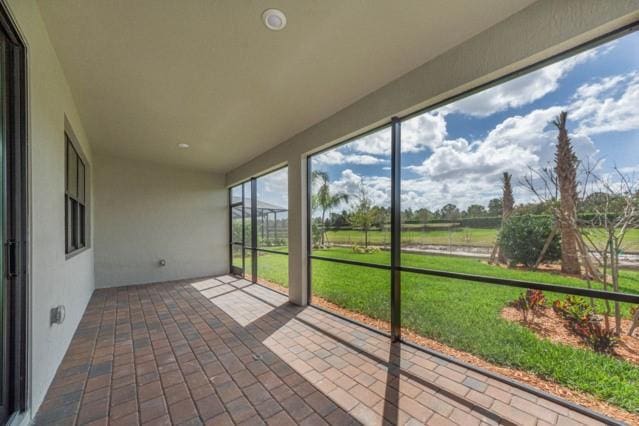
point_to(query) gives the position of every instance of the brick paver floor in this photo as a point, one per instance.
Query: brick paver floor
(224, 351)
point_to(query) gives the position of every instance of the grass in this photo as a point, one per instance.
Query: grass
(466, 316)
(458, 237)
(273, 268)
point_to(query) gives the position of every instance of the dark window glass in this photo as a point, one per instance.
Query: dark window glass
(81, 182)
(75, 199)
(72, 171)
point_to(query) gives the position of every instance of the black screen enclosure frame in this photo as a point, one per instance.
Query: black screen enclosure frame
(395, 268)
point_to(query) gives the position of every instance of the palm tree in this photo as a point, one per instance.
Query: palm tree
(508, 201)
(566, 172)
(324, 200)
(507, 205)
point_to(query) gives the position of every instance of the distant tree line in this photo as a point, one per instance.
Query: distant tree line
(475, 215)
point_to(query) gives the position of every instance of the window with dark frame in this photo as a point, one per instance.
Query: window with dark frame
(74, 200)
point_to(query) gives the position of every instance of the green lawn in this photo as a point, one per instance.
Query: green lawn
(459, 236)
(272, 267)
(466, 316)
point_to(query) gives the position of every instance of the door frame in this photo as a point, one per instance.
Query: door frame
(234, 269)
(15, 226)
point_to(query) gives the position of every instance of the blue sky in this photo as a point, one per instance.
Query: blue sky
(458, 152)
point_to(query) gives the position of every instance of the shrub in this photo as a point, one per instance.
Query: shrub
(584, 323)
(316, 234)
(364, 250)
(574, 309)
(274, 242)
(598, 337)
(523, 237)
(490, 222)
(531, 301)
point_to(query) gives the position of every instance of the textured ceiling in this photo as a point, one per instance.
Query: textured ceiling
(149, 74)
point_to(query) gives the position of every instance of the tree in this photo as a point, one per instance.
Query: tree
(508, 201)
(560, 195)
(566, 172)
(615, 211)
(449, 211)
(407, 215)
(364, 215)
(507, 206)
(381, 215)
(494, 207)
(540, 208)
(475, 210)
(600, 200)
(339, 220)
(423, 215)
(324, 200)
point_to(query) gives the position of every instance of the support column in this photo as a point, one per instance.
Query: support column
(396, 230)
(253, 230)
(297, 259)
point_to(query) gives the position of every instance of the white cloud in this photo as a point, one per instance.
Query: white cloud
(378, 143)
(335, 156)
(519, 91)
(463, 172)
(607, 113)
(524, 141)
(514, 144)
(602, 85)
(273, 188)
(629, 169)
(349, 182)
(427, 130)
(424, 192)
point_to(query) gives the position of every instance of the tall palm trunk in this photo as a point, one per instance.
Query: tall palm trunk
(566, 171)
(507, 206)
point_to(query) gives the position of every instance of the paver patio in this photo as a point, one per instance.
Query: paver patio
(225, 351)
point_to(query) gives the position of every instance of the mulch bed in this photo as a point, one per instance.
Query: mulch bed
(548, 325)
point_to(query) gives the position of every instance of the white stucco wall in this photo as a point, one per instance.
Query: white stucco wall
(538, 32)
(146, 212)
(54, 280)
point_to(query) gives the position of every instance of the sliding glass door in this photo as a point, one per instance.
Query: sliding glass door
(236, 207)
(12, 222)
(4, 385)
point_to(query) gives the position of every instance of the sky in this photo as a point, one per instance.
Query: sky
(458, 152)
(272, 188)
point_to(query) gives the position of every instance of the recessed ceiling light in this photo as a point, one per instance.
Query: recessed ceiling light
(274, 19)
(183, 145)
